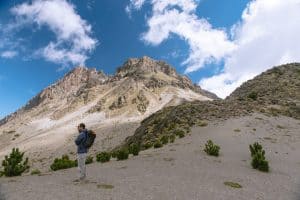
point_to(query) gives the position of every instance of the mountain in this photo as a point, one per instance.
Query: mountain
(140, 87)
(272, 93)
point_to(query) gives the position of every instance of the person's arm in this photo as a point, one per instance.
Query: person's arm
(79, 139)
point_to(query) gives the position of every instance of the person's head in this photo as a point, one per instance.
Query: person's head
(81, 127)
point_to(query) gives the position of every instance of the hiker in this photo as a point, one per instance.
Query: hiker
(82, 150)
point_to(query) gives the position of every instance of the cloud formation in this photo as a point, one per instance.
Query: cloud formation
(267, 35)
(8, 54)
(73, 34)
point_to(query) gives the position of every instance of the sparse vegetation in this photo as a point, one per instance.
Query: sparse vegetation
(157, 144)
(180, 133)
(14, 165)
(89, 160)
(122, 154)
(35, 172)
(252, 95)
(134, 149)
(172, 138)
(258, 157)
(148, 144)
(63, 163)
(202, 123)
(211, 149)
(237, 130)
(232, 184)
(103, 157)
(164, 139)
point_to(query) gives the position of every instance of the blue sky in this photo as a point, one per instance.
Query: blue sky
(208, 40)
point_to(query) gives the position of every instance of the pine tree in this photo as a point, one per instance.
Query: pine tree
(13, 164)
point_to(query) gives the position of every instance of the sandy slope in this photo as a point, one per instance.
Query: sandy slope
(182, 171)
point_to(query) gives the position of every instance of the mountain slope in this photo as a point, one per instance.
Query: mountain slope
(274, 92)
(139, 88)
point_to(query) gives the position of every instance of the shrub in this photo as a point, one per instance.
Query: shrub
(122, 154)
(211, 148)
(258, 158)
(148, 145)
(202, 123)
(89, 160)
(103, 157)
(13, 164)
(172, 138)
(157, 144)
(164, 139)
(180, 133)
(252, 95)
(256, 147)
(113, 154)
(63, 163)
(134, 149)
(35, 172)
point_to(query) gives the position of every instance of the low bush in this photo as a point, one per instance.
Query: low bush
(89, 160)
(164, 139)
(63, 163)
(172, 138)
(211, 149)
(35, 172)
(103, 157)
(134, 149)
(180, 133)
(148, 145)
(157, 144)
(122, 154)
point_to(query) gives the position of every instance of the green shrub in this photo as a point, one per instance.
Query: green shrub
(113, 154)
(122, 154)
(157, 144)
(89, 160)
(180, 133)
(172, 138)
(164, 139)
(134, 149)
(63, 163)
(252, 95)
(211, 148)
(148, 145)
(258, 158)
(256, 147)
(35, 172)
(103, 157)
(13, 164)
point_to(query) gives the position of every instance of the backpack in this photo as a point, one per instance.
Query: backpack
(90, 138)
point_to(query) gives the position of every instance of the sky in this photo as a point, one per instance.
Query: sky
(217, 44)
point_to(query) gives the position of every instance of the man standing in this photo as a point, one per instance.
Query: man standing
(81, 150)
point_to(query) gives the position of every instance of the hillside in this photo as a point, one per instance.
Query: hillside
(274, 92)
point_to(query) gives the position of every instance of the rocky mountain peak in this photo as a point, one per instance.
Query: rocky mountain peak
(145, 65)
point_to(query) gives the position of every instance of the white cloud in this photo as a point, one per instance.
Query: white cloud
(207, 45)
(73, 34)
(9, 54)
(268, 35)
(134, 5)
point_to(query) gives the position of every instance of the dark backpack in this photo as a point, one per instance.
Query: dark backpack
(90, 138)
